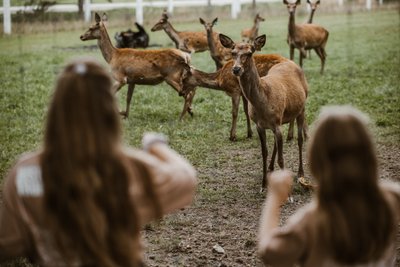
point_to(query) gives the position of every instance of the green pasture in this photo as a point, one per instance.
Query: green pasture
(362, 69)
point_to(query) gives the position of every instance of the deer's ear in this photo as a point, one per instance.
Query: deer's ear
(298, 2)
(165, 14)
(318, 2)
(202, 21)
(285, 2)
(104, 17)
(214, 22)
(97, 17)
(226, 41)
(259, 42)
(308, 1)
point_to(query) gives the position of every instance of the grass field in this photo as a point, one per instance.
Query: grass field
(362, 69)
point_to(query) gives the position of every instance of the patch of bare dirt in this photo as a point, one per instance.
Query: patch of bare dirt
(227, 208)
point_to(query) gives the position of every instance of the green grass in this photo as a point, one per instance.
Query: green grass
(362, 70)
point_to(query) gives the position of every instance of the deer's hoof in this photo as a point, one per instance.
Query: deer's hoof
(249, 135)
(123, 114)
(232, 138)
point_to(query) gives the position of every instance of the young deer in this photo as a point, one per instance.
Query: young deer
(250, 34)
(218, 53)
(305, 37)
(224, 80)
(136, 66)
(186, 41)
(274, 99)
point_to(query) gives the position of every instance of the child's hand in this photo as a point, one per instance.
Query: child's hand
(280, 184)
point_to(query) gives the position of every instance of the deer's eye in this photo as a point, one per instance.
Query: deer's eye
(234, 54)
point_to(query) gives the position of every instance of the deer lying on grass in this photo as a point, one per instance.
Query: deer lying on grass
(131, 39)
(274, 99)
(218, 53)
(224, 80)
(136, 66)
(305, 37)
(187, 41)
(250, 34)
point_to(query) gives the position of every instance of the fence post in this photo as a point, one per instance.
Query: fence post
(7, 16)
(139, 11)
(235, 8)
(368, 4)
(170, 6)
(86, 8)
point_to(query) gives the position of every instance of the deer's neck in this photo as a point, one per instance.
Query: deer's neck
(211, 43)
(105, 45)
(310, 19)
(250, 83)
(173, 34)
(291, 26)
(203, 79)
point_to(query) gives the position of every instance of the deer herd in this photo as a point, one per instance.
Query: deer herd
(273, 89)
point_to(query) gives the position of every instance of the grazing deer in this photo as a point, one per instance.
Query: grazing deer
(185, 40)
(218, 53)
(224, 80)
(305, 37)
(131, 39)
(136, 66)
(274, 99)
(250, 34)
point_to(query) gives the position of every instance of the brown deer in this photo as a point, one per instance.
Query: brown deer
(274, 99)
(305, 37)
(218, 53)
(313, 7)
(250, 34)
(186, 40)
(137, 66)
(224, 80)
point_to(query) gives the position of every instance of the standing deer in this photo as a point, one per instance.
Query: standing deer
(218, 53)
(274, 99)
(250, 34)
(224, 80)
(313, 7)
(187, 41)
(136, 66)
(305, 37)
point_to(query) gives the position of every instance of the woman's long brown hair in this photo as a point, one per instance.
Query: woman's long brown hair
(85, 174)
(355, 220)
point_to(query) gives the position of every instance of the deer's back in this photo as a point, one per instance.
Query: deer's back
(196, 40)
(310, 35)
(286, 90)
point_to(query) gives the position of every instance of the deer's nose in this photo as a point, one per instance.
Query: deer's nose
(236, 70)
(81, 37)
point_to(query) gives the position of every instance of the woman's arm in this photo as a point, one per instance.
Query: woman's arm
(280, 183)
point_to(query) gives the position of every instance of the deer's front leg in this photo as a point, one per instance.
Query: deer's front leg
(264, 153)
(131, 88)
(235, 111)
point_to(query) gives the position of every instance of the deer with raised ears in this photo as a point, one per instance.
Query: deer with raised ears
(274, 99)
(137, 66)
(187, 41)
(250, 34)
(305, 37)
(224, 80)
(218, 53)
(313, 7)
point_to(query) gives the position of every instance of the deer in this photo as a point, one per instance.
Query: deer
(305, 37)
(137, 66)
(224, 80)
(274, 99)
(131, 39)
(251, 33)
(313, 7)
(187, 41)
(218, 53)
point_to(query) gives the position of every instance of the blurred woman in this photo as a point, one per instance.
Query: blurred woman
(353, 218)
(83, 198)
